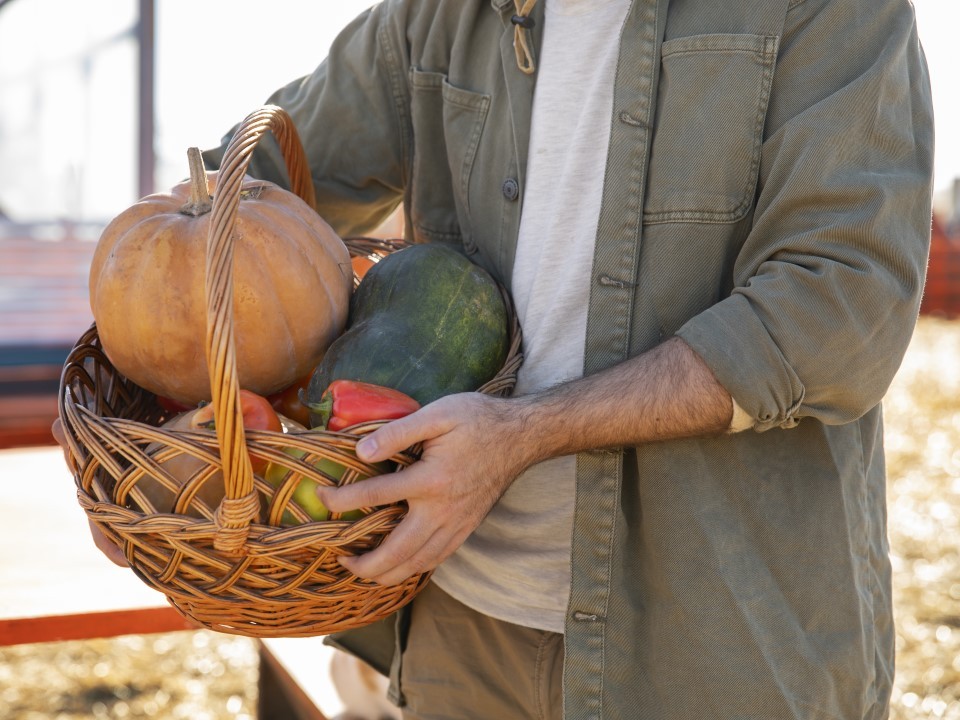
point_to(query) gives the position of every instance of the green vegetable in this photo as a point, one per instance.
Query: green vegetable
(426, 321)
(305, 493)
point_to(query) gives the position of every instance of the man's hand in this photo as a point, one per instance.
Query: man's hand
(113, 553)
(474, 446)
(472, 451)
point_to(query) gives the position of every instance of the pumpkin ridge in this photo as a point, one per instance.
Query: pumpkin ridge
(318, 284)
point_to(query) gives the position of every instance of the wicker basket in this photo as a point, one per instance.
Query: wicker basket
(232, 568)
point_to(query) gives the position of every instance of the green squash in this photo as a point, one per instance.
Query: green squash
(426, 321)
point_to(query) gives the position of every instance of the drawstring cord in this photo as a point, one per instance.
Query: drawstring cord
(522, 22)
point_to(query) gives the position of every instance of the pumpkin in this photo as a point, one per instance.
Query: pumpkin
(292, 286)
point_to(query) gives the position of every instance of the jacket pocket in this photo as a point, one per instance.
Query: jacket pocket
(447, 124)
(711, 105)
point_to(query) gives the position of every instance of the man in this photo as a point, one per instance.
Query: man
(713, 218)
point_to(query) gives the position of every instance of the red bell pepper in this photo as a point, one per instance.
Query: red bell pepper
(349, 402)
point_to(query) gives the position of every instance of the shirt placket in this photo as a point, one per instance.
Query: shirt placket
(609, 319)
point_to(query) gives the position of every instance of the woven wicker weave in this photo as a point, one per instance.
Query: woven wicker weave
(232, 568)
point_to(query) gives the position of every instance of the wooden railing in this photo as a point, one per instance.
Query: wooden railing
(44, 308)
(57, 586)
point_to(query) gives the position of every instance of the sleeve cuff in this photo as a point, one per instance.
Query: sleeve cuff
(741, 418)
(735, 345)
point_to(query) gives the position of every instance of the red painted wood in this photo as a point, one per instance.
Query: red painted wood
(86, 626)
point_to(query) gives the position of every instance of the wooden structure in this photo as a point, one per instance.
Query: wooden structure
(55, 585)
(43, 310)
(941, 296)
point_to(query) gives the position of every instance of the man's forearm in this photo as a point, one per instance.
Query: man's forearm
(664, 394)
(474, 446)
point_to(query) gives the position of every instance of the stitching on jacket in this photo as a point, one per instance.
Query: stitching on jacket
(399, 100)
(439, 235)
(479, 105)
(537, 670)
(619, 462)
(767, 57)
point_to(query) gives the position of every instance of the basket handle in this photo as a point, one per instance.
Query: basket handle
(241, 504)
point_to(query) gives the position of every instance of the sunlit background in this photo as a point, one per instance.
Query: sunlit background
(69, 90)
(71, 158)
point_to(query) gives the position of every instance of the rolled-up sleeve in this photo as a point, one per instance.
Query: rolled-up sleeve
(828, 281)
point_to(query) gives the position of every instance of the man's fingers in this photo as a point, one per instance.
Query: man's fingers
(57, 431)
(113, 553)
(445, 504)
(409, 549)
(375, 491)
(382, 443)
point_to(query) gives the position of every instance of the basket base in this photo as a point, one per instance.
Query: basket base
(287, 620)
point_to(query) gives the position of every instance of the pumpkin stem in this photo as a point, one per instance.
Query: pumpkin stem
(200, 202)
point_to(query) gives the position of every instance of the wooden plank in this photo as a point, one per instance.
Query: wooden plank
(282, 693)
(44, 294)
(15, 408)
(303, 668)
(51, 573)
(25, 420)
(86, 626)
(30, 434)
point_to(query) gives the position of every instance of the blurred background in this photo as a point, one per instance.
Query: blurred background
(99, 101)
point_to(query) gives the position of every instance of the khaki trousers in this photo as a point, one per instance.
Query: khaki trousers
(462, 665)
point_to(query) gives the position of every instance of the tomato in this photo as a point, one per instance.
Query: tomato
(362, 263)
(287, 401)
(258, 414)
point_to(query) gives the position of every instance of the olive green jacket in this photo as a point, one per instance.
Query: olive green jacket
(767, 199)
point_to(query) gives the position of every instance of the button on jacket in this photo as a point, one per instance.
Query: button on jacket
(767, 199)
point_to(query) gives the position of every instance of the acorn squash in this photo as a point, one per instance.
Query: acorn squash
(426, 321)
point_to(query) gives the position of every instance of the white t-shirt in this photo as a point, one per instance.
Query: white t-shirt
(516, 565)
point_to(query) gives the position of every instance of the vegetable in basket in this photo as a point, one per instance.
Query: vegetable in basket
(287, 402)
(147, 288)
(182, 467)
(349, 402)
(425, 321)
(305, 492)
(344, 404)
